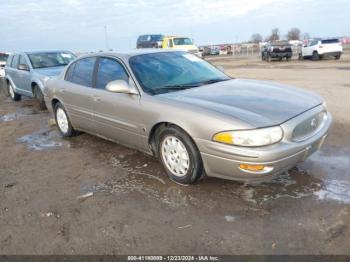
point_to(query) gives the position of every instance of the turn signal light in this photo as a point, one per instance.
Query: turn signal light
(252, 167)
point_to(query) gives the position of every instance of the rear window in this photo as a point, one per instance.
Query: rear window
(330, 41)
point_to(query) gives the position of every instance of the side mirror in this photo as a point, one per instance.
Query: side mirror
(221, 68)
(120, 86)
(23, 67)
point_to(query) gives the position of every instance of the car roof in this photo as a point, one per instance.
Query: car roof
(133, 52)
(47, 51)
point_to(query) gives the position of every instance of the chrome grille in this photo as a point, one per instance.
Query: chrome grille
(309, 127)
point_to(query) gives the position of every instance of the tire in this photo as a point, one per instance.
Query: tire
(63, 123)
(288, 58)
(176, 147)
(337, 57)
(315, 56)
(14, 96)
(300, 57)
(38, 95)
(268, 58)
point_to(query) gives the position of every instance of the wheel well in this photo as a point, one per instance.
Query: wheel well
(54, 102)
(152, 136)
(34, 85)
(155, 130)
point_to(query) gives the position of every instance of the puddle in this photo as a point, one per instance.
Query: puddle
(326, 176)
(292, 184)
(41, 140)
(20, 113)
(335, 190)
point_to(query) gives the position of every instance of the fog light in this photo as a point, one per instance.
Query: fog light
(252, 167)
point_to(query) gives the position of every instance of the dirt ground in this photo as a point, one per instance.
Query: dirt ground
(88, 196)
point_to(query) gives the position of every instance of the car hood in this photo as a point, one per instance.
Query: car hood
(50, 71)
(258, 103)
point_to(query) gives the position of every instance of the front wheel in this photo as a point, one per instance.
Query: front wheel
(315, 56)
(38, 95)
(179, 156)
(64, 125)
(11, 91)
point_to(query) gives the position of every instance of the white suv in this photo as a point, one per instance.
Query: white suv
(318, 48)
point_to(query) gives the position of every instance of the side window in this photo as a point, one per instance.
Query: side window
(15, 61)
(315, 42)
(83, 72)
(22, 60)
(108, 71)
(9, 61)
(170, 43)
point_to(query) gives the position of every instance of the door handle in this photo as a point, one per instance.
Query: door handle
(96, 98)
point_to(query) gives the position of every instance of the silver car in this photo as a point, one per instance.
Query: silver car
(26, 73)
(189, 114)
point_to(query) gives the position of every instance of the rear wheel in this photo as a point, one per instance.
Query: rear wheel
(337, 57)
(179, 156)
(63, 123)
(315, 56)
(38, 95)
(14, 96)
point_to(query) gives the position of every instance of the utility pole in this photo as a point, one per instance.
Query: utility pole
(106, 38)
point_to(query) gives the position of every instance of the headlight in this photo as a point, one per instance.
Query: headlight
(255, 137)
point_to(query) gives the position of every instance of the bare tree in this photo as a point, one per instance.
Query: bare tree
(256, 38)
(306, 36)
(293, 34)
(275, 34)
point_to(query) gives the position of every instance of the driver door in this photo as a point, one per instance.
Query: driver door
(116, 115)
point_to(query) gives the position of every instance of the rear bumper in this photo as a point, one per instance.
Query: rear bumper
(223, 161)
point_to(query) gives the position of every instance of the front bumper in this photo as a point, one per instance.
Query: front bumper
(223, 161)
(279, 55)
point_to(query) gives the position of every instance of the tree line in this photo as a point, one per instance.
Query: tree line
(293, 34)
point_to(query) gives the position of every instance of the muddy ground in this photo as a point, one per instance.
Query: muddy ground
(131, 207)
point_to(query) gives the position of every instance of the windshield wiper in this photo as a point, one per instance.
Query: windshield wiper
(212, 81)
(166, 88)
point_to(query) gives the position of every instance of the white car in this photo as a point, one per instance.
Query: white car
(318, 48)
(3, 59)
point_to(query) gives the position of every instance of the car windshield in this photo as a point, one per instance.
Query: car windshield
(3, 57)
(50, 59)
(156, 37)
(171, 71)
(183, 41)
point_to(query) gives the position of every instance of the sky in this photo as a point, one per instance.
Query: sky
(79, 25)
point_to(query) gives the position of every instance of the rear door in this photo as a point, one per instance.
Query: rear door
(76, 93)
(116, 115)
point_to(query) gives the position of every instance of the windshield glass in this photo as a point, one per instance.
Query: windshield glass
(50, 59)
(170, 71)
(183, 41)
(3, 57)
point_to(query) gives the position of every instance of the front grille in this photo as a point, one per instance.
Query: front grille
(309, 127)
